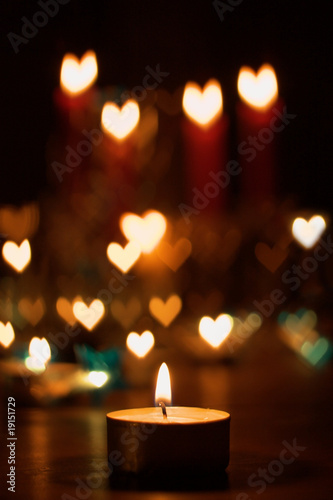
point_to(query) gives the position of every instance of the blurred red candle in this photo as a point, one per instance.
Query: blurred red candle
(76, 80)
(205, 131)
(259, 120)
(120, 149)
(74, 101)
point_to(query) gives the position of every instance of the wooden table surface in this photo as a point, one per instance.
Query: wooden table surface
(272, 396)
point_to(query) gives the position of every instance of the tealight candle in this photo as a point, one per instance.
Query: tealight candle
(168, 439)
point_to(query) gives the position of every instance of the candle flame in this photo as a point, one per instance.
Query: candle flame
(77, 76)
(203, 106)
(163, 386)
(259, 90)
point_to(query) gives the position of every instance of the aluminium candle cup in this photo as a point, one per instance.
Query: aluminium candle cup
(142, 444)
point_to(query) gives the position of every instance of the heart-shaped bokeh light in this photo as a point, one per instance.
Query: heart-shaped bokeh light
(215, 332)
(77, 76)
(32, 311)
(65, 309)
(124, 258)
(17, 256)
(175, 256)
(40, 354)
(140, 345)
(259, 90)
(165, 312)
(89, 316)
(7, 334)
(119, 123)
(317, 352)
(126, 314)
(147, 230)
(19, 223)
(203, 106)
(307, 233)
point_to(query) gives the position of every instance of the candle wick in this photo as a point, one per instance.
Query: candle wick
(162, 405)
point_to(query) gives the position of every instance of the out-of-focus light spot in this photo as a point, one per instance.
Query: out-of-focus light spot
(65, 309)
(259, 90)
(32, 311)
(307, 233)
(98, 379)
(165, 312)
(203, 107)
(34, 365)
(215, 332)
(124, 258)
(175, 256)
(17, 256)
(89, 316)
(40, 354)
(7, 334)
(316, 354)
(77, 76)
(18, 223)
(147, 230)
(298, 333)
(119, 123)
(140, 345)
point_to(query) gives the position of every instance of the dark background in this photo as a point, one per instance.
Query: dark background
(188, 40)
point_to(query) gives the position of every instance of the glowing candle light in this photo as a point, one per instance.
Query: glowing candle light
(205, 131)
(40, 354)
(89, 316)
(7, 334)
(140, 345)
(199, 437)
(203, 107)
(147, 231)
(77, 76)
(165, 312)
(258, 91)
(74, 100)
(215, 332)
(308, 233)
(120, 149)
(259, 120)
(16, 256)
(119, 123)
(163, 386)
(98, 379)
(124, 258)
